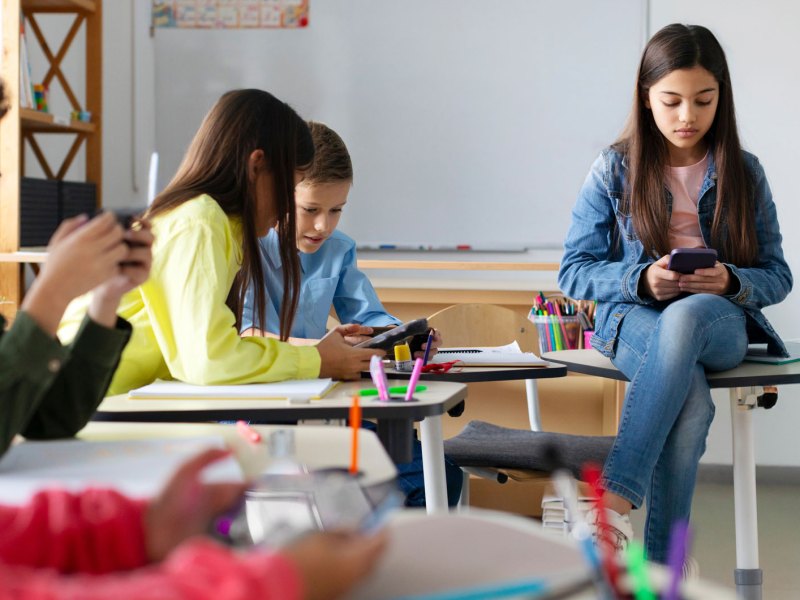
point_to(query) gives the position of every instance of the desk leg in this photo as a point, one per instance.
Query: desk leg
(748, 575)
(532, 392)
(433, 464)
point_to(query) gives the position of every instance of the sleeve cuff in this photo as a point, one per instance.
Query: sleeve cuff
(36, 355)
(100, 344)
(308, 362)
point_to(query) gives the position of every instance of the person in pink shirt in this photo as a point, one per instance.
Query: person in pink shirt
(101, 544)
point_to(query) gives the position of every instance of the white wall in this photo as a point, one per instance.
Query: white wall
(761, 44)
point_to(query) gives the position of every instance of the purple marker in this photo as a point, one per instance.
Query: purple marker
(678, 544)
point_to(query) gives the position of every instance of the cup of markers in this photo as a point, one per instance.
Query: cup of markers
(562, 323)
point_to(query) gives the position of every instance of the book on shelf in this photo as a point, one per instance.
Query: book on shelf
(509, 355)
(25, 79)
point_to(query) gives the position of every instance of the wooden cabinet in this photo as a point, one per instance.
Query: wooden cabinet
(23, 127)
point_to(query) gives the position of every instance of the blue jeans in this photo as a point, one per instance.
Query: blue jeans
(665, 351)
(411, 480)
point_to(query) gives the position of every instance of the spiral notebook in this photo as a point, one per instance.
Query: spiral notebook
(509, 355)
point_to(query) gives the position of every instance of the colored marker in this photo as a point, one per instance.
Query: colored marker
(678, 545)
(412, 383)
(247, 432)
(428, 345)
(355, 423)
(379, 377)
(637, 569)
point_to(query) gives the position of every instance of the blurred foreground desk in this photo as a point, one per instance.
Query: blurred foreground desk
(395, 420)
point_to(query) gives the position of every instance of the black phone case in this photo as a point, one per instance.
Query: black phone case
(388, 339)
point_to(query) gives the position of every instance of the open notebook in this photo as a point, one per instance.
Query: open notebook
(299, 389)
(509, 355)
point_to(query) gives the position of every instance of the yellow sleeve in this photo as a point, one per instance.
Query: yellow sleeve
(195, 261)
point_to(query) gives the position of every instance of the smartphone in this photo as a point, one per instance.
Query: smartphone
(388, 339)
(687, 260)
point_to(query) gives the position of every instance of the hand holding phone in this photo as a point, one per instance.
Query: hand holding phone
(688, 260)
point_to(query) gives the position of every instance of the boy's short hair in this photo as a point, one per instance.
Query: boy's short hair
(332, 162)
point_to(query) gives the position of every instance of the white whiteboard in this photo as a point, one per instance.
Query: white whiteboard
(469, 121)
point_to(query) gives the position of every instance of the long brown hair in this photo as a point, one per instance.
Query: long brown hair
(216, 163)
(733, 232)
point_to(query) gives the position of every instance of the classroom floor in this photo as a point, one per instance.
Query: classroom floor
(715, 547)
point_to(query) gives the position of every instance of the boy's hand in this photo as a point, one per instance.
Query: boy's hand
(186, 506)
(339, 360)
(355, 334)
(134, 270)
(330, 564)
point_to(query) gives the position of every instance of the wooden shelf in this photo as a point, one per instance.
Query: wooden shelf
(59, 6)
(24, 256)
(36, 121)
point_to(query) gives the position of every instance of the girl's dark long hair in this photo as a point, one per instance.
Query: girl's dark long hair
(733, 227)
(216, 163)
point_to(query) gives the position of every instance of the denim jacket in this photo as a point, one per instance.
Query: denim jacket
(597, 267)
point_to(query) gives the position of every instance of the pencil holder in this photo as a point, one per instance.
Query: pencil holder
(557, 333)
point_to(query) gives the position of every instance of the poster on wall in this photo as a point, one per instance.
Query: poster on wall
(230, 14)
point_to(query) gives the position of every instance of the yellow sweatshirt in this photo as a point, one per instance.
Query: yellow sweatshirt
(182, 328)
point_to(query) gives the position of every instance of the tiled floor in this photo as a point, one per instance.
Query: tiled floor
(779, 537)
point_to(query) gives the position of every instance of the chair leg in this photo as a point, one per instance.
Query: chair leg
(463, 501)
(532, 393)
(748, 575)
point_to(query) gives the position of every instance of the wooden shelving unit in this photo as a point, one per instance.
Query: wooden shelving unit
(23, 127)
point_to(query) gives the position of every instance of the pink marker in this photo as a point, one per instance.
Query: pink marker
(379, 377)
(412, 383)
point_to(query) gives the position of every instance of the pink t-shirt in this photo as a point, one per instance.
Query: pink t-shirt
(685, 184)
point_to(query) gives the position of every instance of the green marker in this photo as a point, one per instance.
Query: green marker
(637, 568)
(397, 390)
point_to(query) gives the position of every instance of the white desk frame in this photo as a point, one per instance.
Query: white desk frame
(429, 407)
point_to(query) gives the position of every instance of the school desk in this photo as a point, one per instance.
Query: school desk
(316, 446)
(745, 384)
(489, 554)
(394, 420)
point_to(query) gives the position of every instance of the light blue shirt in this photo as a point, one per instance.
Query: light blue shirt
(329, 278)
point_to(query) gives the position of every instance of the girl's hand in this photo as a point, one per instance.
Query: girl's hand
(331, 563)
(659, 282)
(355, 334)
(134, 271)
(436, 342)
(339, 359)
(716, 280)
(186, 506)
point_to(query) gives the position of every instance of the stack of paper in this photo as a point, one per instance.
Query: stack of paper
(176, 390)
(509, 355)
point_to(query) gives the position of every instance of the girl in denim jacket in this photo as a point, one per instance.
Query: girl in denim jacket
(677, 177)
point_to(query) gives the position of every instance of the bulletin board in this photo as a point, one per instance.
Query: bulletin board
(230, 14)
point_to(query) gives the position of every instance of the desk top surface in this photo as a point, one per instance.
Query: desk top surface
(591, 362)
(317, 446)
(479, 374)
(440, 397)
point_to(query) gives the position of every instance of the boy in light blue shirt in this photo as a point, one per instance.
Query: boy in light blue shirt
(330, 277)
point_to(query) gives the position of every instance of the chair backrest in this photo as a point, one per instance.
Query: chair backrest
(484, 325)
